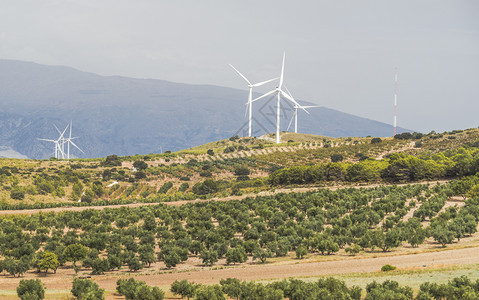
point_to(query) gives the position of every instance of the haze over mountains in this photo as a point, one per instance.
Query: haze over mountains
(126, 116)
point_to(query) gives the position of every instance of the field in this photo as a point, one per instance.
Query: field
(247, 209)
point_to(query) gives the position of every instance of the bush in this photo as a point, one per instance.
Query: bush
(336, 158)
(87, 289)
(376, 140)
(112, 161)
(31, 289)
(140, 165)
(388, 267)
(17, 194)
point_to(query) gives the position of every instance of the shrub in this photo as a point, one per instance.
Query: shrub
(376, 140)
(388, 267)
(87, 289)
(30, 289)
(17, 194)
(336, 158)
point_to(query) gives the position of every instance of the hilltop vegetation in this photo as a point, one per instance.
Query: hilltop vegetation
(238, 166)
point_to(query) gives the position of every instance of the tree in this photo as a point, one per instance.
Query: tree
(134, 264)
(112, 161)
(86, 289)
(147, 254)
(236, 255)
(138, 290)
(75, 252)
(210, 152)
(209, 257)
(17, 193)
(262, 254)
(31, 289)
(441, 233)
(88, 196)
(140, 165)
(171, 259)
(209, 292)
(336, 158)
(183, 288)
(49, 260)
(301, 252)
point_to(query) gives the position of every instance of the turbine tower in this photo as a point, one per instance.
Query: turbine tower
(58, 143)
(250, 97)
(295, 114)
(395, 101)
(278, 92)
(295, 117)
(69, 141)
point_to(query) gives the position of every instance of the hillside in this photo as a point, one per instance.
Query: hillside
(126, 116)
(249, 209)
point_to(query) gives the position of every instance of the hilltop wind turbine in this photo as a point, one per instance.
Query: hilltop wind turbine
(295, 114)
(295, 117)
(250, 96)
(58, 143)
(69, 141)
(280, 93)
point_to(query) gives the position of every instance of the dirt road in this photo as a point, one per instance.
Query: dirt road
(63, 279)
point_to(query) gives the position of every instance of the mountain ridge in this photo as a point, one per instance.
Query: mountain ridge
(126, 116)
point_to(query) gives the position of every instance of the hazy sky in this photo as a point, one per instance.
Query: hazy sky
(339, 54)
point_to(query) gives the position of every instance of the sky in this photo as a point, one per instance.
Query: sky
(339, 54)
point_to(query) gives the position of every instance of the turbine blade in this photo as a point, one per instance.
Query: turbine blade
(77, 147)
(311, 106)
(264, 82)
(47, 140)
(281, 78)
(265, 95)
(71, 125)
(292, 118)
(246, 111)
(57, 129)
(246, 79)
(292, 100)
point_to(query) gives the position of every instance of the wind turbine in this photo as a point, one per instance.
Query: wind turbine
(295, 114)
(58, 143)
(295, 117)
(69, 141)
(280, 93)
(250, 96)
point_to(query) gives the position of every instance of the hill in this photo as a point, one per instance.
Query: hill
(125, 116)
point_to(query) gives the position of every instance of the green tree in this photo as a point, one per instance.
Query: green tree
(147, 254)
(75, 252)
(209, 257)
(140, 165)
(236, 255)
(86, 289)
(209, 292)
(31, 289)
(49, 260)
(183, 288)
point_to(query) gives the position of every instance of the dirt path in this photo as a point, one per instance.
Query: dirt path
(293, 268)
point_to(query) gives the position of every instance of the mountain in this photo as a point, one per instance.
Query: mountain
(126, 116)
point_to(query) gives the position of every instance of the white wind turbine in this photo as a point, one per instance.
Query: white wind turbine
(280, 93)
(250, 96)
(295, 117)
(58, 143)
(69, 141)
(295, 114)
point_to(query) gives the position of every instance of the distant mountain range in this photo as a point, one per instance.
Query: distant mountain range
(126, 116)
